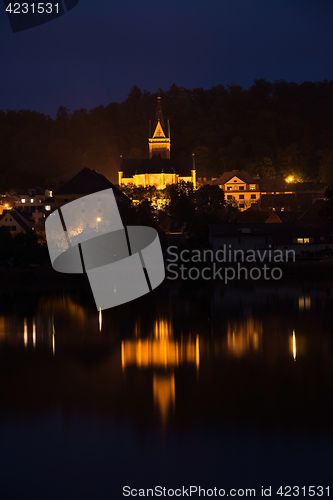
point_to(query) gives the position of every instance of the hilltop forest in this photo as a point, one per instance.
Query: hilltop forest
(271, 129)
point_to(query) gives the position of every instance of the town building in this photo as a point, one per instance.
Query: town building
(237, 240)
(240, 188)
(35, 202)
(15, 222)
(86, 182)
(159, 169)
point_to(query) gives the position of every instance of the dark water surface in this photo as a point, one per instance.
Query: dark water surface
(194, 384)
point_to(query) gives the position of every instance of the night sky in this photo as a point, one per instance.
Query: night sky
(95, 53)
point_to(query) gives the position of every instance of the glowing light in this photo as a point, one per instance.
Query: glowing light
(162, 329)
(6, 205)
(100, 320)
(294, 345)
(243, 337)
(25, 335)
(34, 334)
(160, 352)
(197, 352)
(53, 339)
(164, 394)
(255, 341)
(290, 179)
(23, 200)
(122, 355)
(304, 303)
(99, 219)
(31, 200)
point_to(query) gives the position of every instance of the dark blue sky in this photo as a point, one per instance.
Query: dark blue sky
(95, 53)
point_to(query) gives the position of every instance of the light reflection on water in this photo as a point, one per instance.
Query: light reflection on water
(154, 345)
(179, 363)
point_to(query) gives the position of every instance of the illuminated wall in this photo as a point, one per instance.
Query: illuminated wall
(158, 179)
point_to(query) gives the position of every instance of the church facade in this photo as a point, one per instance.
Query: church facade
(159, 170)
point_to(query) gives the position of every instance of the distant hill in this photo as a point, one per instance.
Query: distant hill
(271, 129)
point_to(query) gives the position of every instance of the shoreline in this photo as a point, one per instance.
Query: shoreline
(44, 278)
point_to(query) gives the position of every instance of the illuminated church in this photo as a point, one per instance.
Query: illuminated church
(159, 170)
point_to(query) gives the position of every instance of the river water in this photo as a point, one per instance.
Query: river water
(196, 384)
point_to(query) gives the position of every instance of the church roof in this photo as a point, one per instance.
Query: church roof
(88, 181)
(159, 113)
(159, 121)
(182, 166)
(159, 132)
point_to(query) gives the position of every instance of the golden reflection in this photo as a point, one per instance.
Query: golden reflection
(304, 303)
(2, 328)
(243, 336)
(25, 334)
(34, 334)
(255, 341)
(123, 355)
(163, 328)
(100, 320)
(197, 352)
(53, 339)
(293, 345)
(161, 351)
(62, 306)
(164, 394)
(154, 353)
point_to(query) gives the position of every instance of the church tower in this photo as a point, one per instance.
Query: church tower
(159, 141)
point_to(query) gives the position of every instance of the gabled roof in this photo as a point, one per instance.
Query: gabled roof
(89, 181)
(156, 165)
(313, 212)
(273, 218)
(312, 216)
(14, 214)
(241, 174)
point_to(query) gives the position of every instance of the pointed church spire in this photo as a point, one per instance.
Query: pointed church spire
(159, 113)
(159, 142)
